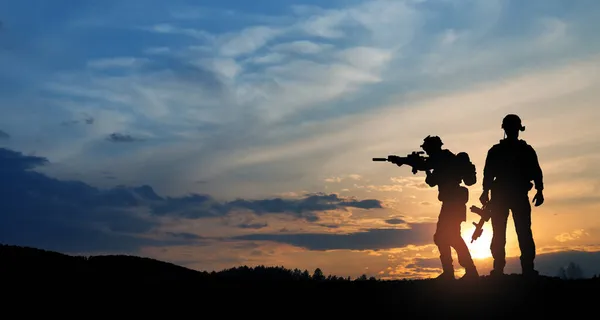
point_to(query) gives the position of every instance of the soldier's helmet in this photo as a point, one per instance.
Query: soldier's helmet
(432, 142)
(512, 121)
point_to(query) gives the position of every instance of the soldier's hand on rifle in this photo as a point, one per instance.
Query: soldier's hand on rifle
(393, 159)
(484, 198)
(538, 199)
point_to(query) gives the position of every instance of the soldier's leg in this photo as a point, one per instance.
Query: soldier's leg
(442, 241)
(499, 220)
(458, 215)
(522, 219)
(462, 251)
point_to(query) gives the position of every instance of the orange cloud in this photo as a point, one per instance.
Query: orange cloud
(571, 236)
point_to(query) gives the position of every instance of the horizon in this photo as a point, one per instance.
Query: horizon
(228, 134)
(567, 269)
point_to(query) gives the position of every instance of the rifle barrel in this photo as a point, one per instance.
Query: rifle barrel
(380, 159)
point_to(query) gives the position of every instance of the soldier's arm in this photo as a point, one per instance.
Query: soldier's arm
(488, 171)
(536, 174)
(431, 179)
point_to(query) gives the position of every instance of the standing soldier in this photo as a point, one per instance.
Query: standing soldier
(510, 167)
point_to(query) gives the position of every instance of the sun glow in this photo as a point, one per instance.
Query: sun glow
(480, 248)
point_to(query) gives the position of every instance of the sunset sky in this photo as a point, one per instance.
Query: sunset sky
(214, 134)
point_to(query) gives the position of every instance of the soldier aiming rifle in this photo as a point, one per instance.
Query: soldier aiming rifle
(446, 170)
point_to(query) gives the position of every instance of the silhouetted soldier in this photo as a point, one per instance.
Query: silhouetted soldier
(510, 167)
(448, 170)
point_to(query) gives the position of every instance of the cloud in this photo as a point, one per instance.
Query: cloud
(247, 41)
(395, 221)
(119, 137)
(157, 50)
(88, 120)
(323, 64)
(184, 235)
(374, 239)
(253, 225)
(170, 29)
(352, 176)
(66, 215)
(120, 62)
(383, 188)
(72, 216)
(410, 182)
(17, 162)
(4, 135)
(198, 206)
(301, 47)
(571, 236)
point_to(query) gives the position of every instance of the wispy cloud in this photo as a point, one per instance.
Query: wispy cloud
(121, 62)
(375, 239)
(268, 83)
(119, 137)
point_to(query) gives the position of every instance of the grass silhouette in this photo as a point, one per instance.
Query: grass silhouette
(119, 280)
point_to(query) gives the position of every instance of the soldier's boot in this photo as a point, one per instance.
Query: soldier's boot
(446, 276)
(466, 261)
(447, 271)
(498, 270)
(470, 274)
(528, 270)
(495, 273)
(530, 273)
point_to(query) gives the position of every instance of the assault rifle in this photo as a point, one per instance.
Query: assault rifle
(485, 213)
(414, 159)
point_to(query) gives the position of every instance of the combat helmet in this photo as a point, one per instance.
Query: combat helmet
(512, 121)
(432, 141)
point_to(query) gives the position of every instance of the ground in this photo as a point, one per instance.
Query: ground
(140, 285)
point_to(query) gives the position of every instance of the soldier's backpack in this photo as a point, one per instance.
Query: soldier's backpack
(466, 168)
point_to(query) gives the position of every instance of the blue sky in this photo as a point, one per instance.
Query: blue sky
(262, 99)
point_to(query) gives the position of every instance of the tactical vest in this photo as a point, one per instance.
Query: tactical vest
(512, 165)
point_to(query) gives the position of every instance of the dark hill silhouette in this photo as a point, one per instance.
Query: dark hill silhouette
(41, 264)
(116, 279)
